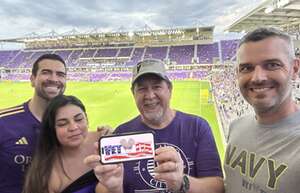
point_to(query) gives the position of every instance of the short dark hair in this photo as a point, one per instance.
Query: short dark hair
(35, 65)
(264, 33)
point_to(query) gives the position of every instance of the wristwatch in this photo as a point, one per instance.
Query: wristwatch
(185, 186)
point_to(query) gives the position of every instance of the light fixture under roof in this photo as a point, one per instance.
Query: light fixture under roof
(282, 3)
(269, 9)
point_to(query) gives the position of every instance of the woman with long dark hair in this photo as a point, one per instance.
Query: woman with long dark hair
(63, 144)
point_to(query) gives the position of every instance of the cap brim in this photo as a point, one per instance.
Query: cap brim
(154, 73)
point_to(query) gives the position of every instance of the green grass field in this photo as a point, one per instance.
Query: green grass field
(111, 103)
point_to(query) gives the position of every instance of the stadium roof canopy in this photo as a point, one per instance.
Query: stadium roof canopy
(143, 37)
(283, 14)
(75, 34)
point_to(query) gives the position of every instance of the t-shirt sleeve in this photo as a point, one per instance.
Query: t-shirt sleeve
(117, 130)
(1, 133)
(207, 160)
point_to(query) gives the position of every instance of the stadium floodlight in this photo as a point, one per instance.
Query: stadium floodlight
(282, 3)
(130, 34)
(269, 9)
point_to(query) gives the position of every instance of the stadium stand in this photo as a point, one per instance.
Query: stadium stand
(181, 54)
(229, 101)
(108, 57)
(183, 60)
(136, 56)
(177, 55)
(207, 53)
(228, 48)
(156, 52)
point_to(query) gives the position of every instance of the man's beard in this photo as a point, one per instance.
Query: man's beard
(46, 97)
(155, 118)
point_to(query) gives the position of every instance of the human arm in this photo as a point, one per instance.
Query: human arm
(94, 136)
(55, 181)
(102, 130)
(170, 169)
(110, 176)
(212, 184)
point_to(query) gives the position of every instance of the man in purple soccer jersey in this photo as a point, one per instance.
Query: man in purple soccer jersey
(186, 157)
(19, 125)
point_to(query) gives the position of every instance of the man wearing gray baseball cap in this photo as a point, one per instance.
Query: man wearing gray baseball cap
(150, 66)
(186, 158)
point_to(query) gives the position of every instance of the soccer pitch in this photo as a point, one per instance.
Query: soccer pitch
(111, 103)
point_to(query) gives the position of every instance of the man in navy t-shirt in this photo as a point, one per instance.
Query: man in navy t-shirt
(19, 126)
(186, 157)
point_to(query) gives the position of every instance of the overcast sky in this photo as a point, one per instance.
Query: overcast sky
(22, 17)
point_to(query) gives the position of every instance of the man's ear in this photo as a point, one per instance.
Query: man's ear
(296, 68)
(132, 88)
(171, 87)
(32, 77)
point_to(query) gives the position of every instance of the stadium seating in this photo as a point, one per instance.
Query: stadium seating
(19, 61)
(229, 102)
(181, 54)
(73, 58)
(207, 52)
(125, 52)
(7, 56)
(107, 52)
(228, 48)
(129, 56)
(156, 52)
(136, 56)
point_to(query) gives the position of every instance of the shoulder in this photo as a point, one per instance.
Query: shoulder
(245, 119)
(241, 124)
(55, 181)
(128, 126)
(187, 118)
(184, 115)
(191, 126)
(12, 111)
(12, 116)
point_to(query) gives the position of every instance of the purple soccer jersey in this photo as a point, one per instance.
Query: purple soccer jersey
(190, 135)
(18, 135)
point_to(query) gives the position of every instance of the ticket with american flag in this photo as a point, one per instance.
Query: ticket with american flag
(126, 147)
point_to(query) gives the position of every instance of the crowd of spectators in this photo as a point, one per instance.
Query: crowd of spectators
(228, 99)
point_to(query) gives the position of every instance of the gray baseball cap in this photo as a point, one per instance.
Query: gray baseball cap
(149, 66)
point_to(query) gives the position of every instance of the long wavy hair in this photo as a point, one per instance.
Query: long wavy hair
(48, 147)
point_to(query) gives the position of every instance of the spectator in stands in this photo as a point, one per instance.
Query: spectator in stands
(263, 148)
(186, 158)
(63, 144)
(20, 125)
(297, 52)
(230, 102)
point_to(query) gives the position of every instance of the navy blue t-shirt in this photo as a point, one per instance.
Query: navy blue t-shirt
(190, 135)
(18, 136)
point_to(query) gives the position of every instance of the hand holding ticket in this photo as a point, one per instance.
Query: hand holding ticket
(126, 147)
